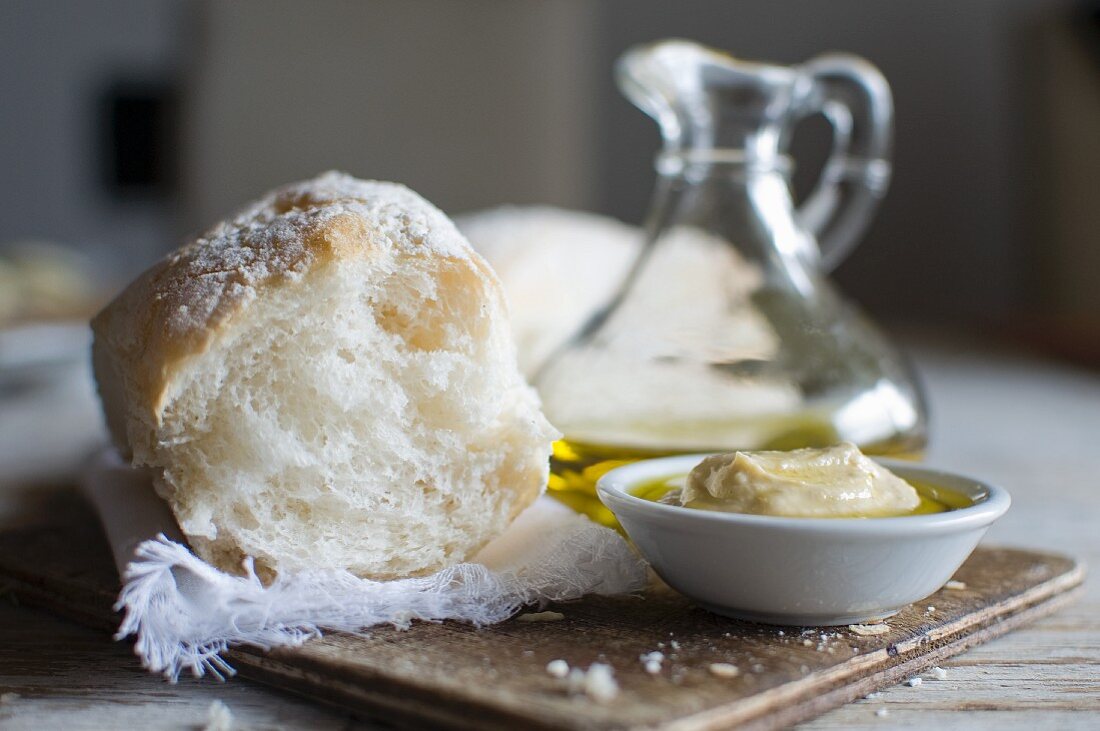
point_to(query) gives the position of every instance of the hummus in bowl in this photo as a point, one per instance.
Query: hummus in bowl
(782, 569)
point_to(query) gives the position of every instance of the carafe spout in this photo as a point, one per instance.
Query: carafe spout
(706, 101)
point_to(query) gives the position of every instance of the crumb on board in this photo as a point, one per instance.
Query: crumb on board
(557, 668)
(808, 642)
(955, 585)
(914, 682)
(882, 713)
(652, 661)
(598, 682)
(723, 670)
(929, 609)
(218, 717)
(541, 617)
(869, 629)
(939, 673)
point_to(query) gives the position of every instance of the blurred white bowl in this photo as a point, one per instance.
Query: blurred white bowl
(800, 571)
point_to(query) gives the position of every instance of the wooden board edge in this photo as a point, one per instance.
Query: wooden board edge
(397, 709)
(806, 703)
(814, 707)
(803, 702)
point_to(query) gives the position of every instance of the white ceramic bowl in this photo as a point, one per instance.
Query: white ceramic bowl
(800, 571)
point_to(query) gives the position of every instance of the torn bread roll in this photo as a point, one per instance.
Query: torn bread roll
(327, 380)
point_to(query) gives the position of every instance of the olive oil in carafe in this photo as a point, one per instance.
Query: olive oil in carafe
(750, 347)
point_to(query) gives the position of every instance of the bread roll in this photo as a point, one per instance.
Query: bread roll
(558, 268)
(326, 380)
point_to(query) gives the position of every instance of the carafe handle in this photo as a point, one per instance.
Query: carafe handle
(855, 99)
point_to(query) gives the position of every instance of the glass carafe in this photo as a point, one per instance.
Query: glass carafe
(727, 334)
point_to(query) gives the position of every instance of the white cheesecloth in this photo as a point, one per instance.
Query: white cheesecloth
(185, 612)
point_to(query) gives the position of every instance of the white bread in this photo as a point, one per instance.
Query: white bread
(326, 380)
(558, 268)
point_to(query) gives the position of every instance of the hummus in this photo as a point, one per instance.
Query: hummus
(835, 482)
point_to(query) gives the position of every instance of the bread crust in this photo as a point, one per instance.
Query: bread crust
(175, 311)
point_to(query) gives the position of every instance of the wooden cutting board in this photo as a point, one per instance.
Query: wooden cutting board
(454, 676)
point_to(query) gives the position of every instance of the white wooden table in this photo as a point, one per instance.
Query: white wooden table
(1030, 426)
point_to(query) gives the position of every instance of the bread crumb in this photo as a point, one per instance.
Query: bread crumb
(872, 696)
(652, 662)
(6, 698)
(914, 682)
(882, 713)
(929, 609)
(218, 717)
(808, 643)
(939, 673)
(674, 644)
(599, 683)
(558, 668)
(723, 670)
(541, 617)
(869, 629)
(955, 585)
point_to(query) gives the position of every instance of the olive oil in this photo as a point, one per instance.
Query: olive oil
(575, 465)
(933, 498)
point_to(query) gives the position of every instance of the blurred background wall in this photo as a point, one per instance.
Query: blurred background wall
(127, 124)
(65, 67)
(469, 103)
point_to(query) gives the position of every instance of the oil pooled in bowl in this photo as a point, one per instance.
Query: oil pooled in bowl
(933, 498)
(575, 466)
